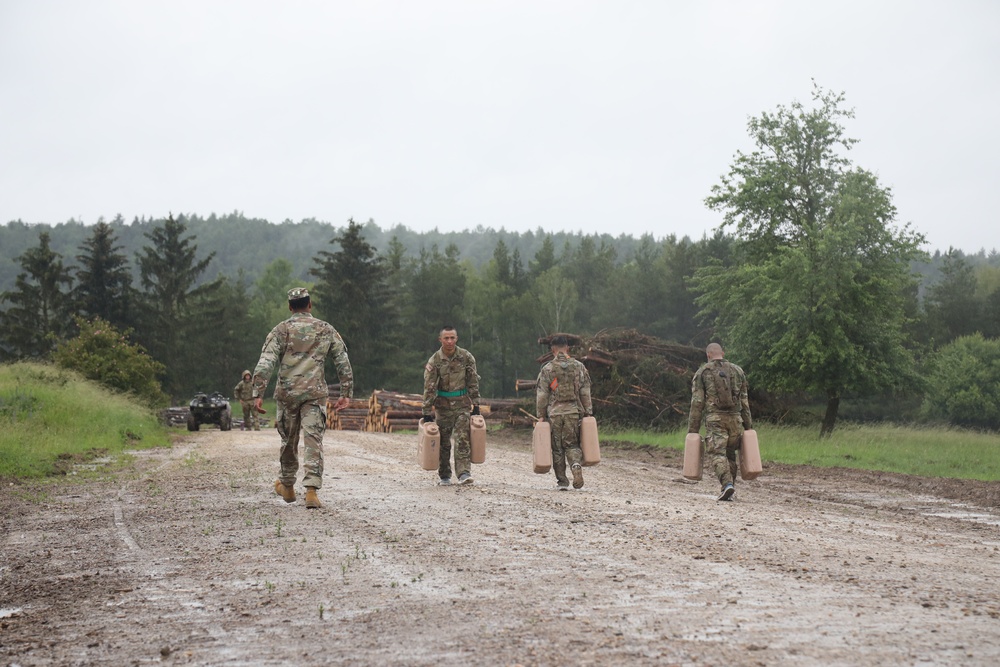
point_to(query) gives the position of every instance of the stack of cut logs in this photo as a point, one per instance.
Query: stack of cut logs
(391, 411)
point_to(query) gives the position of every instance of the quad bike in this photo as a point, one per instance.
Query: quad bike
(209, 409)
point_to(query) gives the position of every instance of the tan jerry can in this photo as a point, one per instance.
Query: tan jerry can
(750, 465)
(693, 453)
(589, 442)
(477, 438)
(541, 447)
(429, 445)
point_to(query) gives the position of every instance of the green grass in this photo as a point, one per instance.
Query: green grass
(51, 419)
(924, 451)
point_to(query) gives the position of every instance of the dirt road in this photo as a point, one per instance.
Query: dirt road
(188, 557)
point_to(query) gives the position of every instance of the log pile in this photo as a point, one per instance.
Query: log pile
(390, 411)
(636, 380)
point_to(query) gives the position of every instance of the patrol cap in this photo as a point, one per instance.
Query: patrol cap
(297, 293)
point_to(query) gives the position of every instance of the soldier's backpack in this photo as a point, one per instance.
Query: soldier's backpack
(723, 388)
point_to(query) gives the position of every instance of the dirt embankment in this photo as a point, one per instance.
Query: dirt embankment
(190, 558)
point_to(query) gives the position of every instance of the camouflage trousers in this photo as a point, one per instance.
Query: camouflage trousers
(453, 420)
(565, 444)
(722, 439)
(250, 415)
(310, 419)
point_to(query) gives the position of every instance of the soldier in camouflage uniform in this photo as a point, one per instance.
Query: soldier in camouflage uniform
(243, 392)
(299, 347)
(451, 386)
(719, 391)
(562, 395)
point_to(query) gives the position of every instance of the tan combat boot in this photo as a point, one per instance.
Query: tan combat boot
(286, 492)
(577, 476)
(312, 500)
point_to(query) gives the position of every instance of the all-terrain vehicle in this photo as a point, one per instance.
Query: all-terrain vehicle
(209, 409)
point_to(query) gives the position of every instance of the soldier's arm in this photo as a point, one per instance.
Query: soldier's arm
(344, 371)
(541, 393)
(269, 355)
(745, 405)
(472, 380)
(430, 386)
(585, 400)
(697, 404)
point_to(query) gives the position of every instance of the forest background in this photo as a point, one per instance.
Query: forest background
(809, 283)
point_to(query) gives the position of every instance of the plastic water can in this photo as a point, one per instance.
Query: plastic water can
(541, 447)
(750, 465)
(477, 438)
(589, 442)
(429, 445)
(693, 452)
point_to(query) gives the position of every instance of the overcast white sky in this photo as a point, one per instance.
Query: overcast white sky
(614, 116)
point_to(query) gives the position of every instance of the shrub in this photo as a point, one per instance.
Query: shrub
(965, 383)
(105, 355)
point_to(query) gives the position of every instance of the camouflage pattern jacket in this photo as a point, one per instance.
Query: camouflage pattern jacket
(719, 387)
(563, 388)
(299, 347)
(244, 390)
(448, 380)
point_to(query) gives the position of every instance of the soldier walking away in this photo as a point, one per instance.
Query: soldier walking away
(451, 389)
(299, 347)
(562, 396)
(719, 392)
(243, 392)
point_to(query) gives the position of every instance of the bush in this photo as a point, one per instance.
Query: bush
(103, 354)
(965, 383)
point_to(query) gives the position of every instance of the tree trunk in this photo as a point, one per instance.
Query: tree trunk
(830, 418)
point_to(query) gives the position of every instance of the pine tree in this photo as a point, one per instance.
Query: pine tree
(103, 280)
(169, 271)
(352, 293)
(38, 316)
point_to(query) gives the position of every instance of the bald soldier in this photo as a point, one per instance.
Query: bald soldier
(299, 347)
(719, 392)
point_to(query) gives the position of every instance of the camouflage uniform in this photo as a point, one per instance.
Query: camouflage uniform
(451, 386)
(562, 393)
(299, 347)
(243, 392)
(726, 416)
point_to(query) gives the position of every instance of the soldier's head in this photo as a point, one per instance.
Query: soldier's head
(448, 339)
(246, 375)
(714, 351)
(559, 344)
(298, 300)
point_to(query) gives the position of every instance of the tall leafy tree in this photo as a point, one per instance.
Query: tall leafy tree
(103, 279)
(37, 316)
(169, 270)
(815, 301)
(352, 289)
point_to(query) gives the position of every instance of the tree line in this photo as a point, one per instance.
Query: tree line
(809, 282)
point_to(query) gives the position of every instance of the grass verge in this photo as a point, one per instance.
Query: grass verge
(923, 451)
(52, 419)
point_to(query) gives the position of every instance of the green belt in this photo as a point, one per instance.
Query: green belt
(452, 394)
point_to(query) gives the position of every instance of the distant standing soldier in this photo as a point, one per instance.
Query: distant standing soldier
(243, 392)
(719, 390)
(299, 347)
(451, 386)
(562, 395)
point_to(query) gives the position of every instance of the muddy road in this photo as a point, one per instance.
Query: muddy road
(188, 557)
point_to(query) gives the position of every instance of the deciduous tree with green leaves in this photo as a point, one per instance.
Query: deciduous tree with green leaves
(814, 299)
